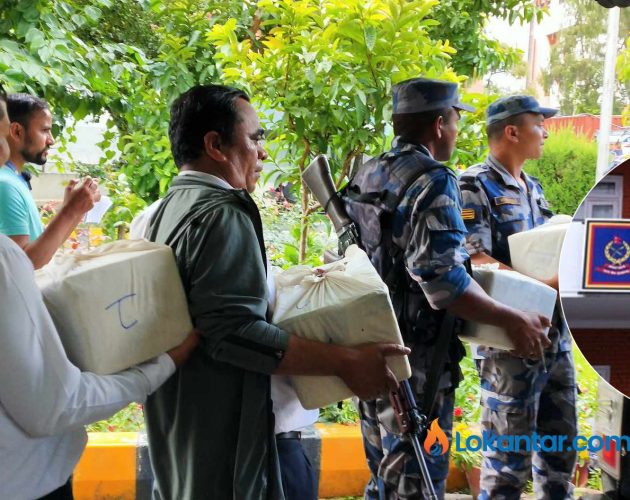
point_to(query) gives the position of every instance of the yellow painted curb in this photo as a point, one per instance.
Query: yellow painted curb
(109, 466)
(107, 469)
(343, 467)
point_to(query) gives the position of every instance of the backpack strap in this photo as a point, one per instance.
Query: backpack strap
(390, 201)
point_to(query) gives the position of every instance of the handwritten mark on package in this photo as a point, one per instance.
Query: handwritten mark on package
(119, 302)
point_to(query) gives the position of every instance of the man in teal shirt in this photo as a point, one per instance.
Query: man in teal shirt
(18, 213)
(29, 140)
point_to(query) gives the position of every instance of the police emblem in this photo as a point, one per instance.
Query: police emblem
(607, 254)
(617, 252)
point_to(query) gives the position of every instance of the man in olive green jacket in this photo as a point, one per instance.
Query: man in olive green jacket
(210, 426)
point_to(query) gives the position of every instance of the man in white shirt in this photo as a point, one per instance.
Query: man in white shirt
(44, 399)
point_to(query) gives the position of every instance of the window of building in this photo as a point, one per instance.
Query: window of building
(604, 201)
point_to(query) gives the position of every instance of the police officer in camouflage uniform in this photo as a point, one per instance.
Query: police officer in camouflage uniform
(407, 207)
(519, 395)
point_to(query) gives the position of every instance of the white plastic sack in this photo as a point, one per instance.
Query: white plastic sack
(343, 303)
(536, 252)
(117, 305)
(512, 289)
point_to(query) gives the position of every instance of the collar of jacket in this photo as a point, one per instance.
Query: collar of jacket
(505, 176)
(190, 181)
(216, 195)
(399, 145)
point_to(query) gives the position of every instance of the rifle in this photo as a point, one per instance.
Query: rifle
(412, 422)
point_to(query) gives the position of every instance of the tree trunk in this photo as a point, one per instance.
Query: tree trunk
(304, 225)
(305, 213)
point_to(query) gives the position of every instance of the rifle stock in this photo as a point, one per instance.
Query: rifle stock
(319, 181)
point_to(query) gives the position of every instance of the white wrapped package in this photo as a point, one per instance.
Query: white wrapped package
(536, 252)
(117, 305)
(343, 303)
(512, 289)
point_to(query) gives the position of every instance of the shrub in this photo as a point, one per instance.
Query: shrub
(344, 412)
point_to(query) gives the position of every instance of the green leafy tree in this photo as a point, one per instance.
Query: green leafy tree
(321, 70)
(127, 58)
(123, 21)
(577, 59)
(184, 58)
(462, 22)
(40, 52)
(472, 146)
(324, 73)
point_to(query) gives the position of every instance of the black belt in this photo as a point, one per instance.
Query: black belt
(289, 435)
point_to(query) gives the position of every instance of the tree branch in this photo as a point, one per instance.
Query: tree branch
(304, 220)
(313, 209)
(346, 165)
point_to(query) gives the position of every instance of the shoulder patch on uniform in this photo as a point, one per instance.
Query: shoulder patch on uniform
(475, 170)
(468, 213)
(505, 200)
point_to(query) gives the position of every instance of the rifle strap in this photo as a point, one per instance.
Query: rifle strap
(432, 384)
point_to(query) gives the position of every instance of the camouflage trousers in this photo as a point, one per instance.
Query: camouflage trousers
(394, 469)
(519, 398)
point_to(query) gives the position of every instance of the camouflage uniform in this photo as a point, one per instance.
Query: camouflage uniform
(428, 228)
(517, 396)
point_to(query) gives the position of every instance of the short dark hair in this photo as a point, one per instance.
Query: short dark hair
(495, 130)
(202, 109)
(21, 106)
(3, 98)
(411, 125)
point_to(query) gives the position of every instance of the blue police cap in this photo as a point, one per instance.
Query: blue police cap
(418, 95)
(515, 105)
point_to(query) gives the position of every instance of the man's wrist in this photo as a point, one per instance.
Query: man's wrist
(67, 211)
(340, 358)
(508, 316)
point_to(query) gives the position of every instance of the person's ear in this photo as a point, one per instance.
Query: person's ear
(213, 145)
(437, 126)
(16, 131)
(511, 133)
